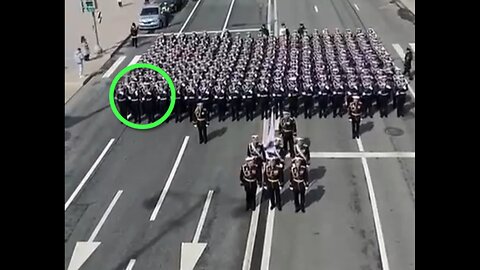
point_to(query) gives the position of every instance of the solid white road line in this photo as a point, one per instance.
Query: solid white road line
(267, 243)
(275, 17)
(401, 53)
(362, 154)
(356, 6)
(89, 173)
(203, 216)
(269, 16)
(316, 9)
(412, 45)
(135, 60)
(105, 216)
(130, 265)
(252, 232)
(208, 32)
(114, 66)
(169, 180)
(189, 17)
(376, 216)
(228, 16)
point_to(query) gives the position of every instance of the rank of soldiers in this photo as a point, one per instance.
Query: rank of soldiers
(232, 74)
(265, 168)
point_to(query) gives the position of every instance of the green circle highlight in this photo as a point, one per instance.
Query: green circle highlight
(111, 96)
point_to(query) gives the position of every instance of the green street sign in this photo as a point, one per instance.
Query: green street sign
(88, 5)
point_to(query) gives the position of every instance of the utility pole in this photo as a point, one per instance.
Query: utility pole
(91, 6)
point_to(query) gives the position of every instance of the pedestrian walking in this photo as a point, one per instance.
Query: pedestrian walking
(134, 33)
(85, 48)
(79, 61)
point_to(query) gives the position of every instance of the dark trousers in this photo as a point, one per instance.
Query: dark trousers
(322, 107)
(355, 127)
(400, 105)
(251, 193)
(299, 195)
(249, 109)
(264, 107)
(222, 107)
(86, 57)
(383, 106)
(149, 111)
(122, 106)
(293, 106)
(367, 108)
(278, 106)
(406, 70)
(337, 108)
(288, 144)
(191, 103)
(235, 107)
(274, 192)
(136, 112)
(179, 107)
(135, 41)
(308, 107)
(202, 131)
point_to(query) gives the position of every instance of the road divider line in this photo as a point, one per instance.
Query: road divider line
(400, 52)
(316, 9)
(114, 66)
(356, 7)
(83, 250)
(376, 215)
(203, 216)
(275, 17)
(228, 16)
(189, 17)
(362, 154)
(267, 243)
(130, 265)
(169, 180)
(252, 233)
(105, 216)
(269, 16)
(89, 173)
(135, 60)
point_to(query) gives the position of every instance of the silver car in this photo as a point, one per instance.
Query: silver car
(151, 18)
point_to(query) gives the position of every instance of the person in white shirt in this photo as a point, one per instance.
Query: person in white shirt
(79, 61)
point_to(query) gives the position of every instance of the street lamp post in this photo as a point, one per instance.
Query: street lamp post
(97, 49)
(91, 6)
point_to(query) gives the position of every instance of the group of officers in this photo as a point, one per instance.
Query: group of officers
(265, 167)
(224, 72)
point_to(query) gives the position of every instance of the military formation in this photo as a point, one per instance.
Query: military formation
(233, 75)
(265, 168)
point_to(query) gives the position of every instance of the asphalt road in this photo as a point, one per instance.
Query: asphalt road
(336, 232)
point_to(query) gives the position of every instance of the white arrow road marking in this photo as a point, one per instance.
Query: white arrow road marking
(376, 215)
(89, 173)
(191, 252)
(83, 250)
(169, 180)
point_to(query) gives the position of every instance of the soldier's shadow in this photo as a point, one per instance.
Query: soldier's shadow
(312, 195)
(366, 127)
(216, 133)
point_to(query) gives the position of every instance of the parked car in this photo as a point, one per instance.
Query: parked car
(151, 17)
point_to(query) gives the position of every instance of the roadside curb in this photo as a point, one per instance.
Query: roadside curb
(95, 73)
(401, 4)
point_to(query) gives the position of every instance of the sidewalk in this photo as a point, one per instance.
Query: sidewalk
(409, 4)
(112, 32)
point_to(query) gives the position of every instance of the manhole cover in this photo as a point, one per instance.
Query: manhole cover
(393, 131)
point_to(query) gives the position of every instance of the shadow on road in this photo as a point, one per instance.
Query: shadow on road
(216, 133)
(314, 175)
(366, 127)
(71, 121)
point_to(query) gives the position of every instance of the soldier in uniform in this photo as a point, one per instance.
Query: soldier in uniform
(307, 94)
(256, 150)
(235, 101)
(323, 98)
(302, 150)
(191, 101)
(288, 129)
(278, 96)
(367, 100)
(355, 110)
(179, 104)
(263, 30)
(250, 175)
(121, 102)
(382, 98)
(408, 63)
(293, 97)
(274, 181)
(248, 97)
(201, 122)
(400, 97)
(263, 95)
(163, 102)
(299, 182)
(338, 98)
(149, 106)
(279, 151)
(220, 100)
(134, 99)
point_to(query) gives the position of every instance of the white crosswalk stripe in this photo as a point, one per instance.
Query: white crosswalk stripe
(114, 66)
(412, 45)
(135, 60)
